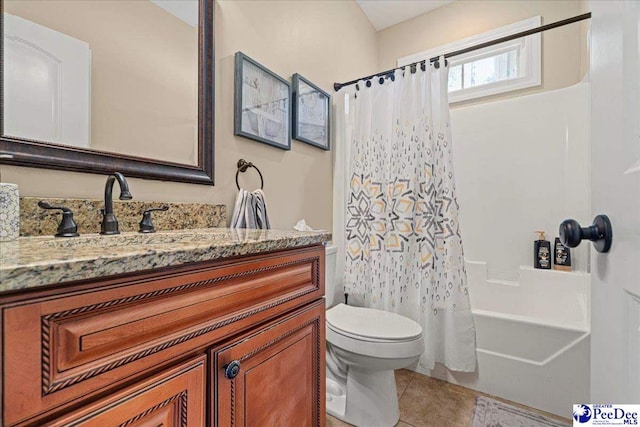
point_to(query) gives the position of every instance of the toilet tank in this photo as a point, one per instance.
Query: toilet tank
(334, 293)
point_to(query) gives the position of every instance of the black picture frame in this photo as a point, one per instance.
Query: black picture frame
(254, 116)
(313, 125)
(45, 155)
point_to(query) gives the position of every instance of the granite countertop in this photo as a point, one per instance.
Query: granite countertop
(36, 261)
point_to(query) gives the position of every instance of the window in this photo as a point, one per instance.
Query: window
(509, 66)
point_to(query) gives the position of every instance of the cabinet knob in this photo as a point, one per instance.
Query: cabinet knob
(232, 369)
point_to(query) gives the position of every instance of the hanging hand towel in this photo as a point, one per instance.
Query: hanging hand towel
(238, 219)
(250, 211)
(262, 219)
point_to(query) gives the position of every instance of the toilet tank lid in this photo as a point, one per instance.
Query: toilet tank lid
(372, 323)
(330, 249)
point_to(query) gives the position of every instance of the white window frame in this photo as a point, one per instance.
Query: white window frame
(530, 59)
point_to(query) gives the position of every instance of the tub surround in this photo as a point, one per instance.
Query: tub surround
(498, 215)
(37, 261)
(35, 221)
(549, 297)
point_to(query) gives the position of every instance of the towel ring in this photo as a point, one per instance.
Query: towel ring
(243, 165)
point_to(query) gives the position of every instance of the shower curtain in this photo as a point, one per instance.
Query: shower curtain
(395, 210)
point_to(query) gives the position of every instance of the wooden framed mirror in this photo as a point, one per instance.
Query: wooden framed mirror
(128, 86)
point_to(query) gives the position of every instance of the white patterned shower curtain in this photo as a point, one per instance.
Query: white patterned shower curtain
(395, 206)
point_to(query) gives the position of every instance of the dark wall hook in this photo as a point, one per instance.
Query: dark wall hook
(243, 165)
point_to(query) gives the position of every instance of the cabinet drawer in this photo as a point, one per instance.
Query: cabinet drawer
(61, 348)
(172, 399)
(281, 375)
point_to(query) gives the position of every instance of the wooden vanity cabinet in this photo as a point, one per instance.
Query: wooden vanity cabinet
(161, 347)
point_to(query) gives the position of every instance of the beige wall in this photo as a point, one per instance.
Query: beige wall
(324, 41)
(144, 73)
(564, 50)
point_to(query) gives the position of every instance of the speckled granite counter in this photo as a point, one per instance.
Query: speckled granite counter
(35, 261)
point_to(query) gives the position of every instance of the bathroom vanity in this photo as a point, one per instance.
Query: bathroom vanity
(212, 327)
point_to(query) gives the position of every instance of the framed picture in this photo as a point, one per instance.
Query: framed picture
(262, 100)
(310, 113)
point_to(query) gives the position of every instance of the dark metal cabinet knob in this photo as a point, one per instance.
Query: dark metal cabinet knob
(600, 233)
(232, 369)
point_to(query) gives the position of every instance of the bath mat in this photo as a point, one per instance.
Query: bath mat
(492, 413)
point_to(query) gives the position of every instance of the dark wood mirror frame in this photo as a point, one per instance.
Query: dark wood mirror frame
(38, 154)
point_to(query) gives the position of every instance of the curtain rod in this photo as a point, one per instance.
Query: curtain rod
(338, 86)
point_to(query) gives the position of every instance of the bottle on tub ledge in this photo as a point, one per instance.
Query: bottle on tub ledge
(561, 256)
(542, 252)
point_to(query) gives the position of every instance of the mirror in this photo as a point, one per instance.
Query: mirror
(99, 86)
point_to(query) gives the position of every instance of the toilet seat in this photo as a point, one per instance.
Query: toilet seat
(369, 323)
(354, 329)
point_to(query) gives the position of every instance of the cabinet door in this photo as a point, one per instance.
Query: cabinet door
(279, 375)
(173, 398)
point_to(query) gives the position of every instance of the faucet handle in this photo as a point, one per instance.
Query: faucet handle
(67, 227)
(45, 205)
(146, 225)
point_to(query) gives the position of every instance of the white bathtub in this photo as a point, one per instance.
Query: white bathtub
(532, 338)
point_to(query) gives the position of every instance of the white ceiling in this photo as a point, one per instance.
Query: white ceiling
(186, 11)
(385, 13)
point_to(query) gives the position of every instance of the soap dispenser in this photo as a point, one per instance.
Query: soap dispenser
(542, 252)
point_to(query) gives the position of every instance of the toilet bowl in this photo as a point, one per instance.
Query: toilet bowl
(364, 347)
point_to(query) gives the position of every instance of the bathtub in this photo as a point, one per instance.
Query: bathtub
(532, 338)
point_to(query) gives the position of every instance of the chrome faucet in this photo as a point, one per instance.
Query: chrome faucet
(109, 224)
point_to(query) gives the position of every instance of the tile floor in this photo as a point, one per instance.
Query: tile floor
(429, 402)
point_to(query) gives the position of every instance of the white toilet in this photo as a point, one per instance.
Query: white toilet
(364, 346)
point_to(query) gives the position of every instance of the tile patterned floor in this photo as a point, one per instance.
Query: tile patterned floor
(429, 402)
